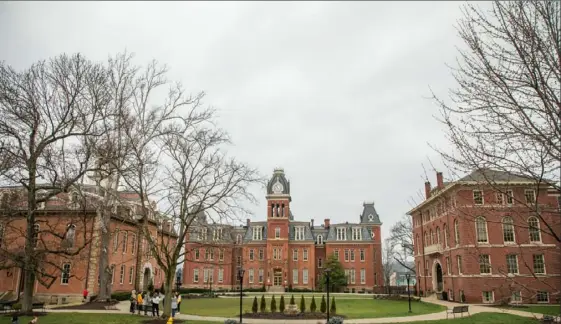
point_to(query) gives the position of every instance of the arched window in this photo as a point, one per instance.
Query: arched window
(508, 230)
(445, 227)
(320, 239)
(70, 235)
(534, 229)
(36, 229)
(438, 235)
(481, 230)
(427, 240)
(431, 237)
(418, 245)
(239, 239)
(457, 232)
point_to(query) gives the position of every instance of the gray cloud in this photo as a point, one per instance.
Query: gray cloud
(334, 92)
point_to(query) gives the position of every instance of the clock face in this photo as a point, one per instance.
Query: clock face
(277, 187)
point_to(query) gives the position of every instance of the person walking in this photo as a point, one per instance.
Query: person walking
(156, 305)
(173, 305)
(133, 301)
(178, 302)
(146, 303)
(139, 302)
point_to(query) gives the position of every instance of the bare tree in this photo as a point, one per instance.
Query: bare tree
(387, 262)
(401, 239)
(505, 113)
(51, 113)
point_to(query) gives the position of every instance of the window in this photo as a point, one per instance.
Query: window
(116, 240)
(239, 261)
(133, 244)
(277, 232)
(500, 198)
(261, 254)
(217, 234)
(112, 273)
(197, 254)
(336, 254)
(508, 230)
(305, 255)
(457, 232)
(305, 276)
(352, 273)
(320, 263)
(448, 266)
(250, 276)
(539, 264)
(122, 274)
(220, 275)
(36, 230)
(352, 255)
(438, 235)
(375, 279)
(131, 275)
(427, 268)
(431, 237)
(65, 277)
(261, 275)
(239, 239)
(484, 264)
(516, 297)
(125, 241)
(509, 197)
(511, 263)
(341, 234)
(257, 233)
(445, 235)
(362, 255)
(542, 297)
(534, 229)
(459, 261)
(477, 197)
(346, 255)
(481, 229)
(530, 196)
(295, 255)
(357, 234)
(320, 239)
(221, 255)
(203, 236)
(295, 276)
(299, 233)
(363, 276)
(277, 254)
(251, 255)
(488, 297)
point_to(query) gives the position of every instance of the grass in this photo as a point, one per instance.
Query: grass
(352, 308)
(309, 295)
(82, 318)
(539, 309)
(484, 318)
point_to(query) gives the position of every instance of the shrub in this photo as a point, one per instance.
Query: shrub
(281, 304)
(323, 305)
(263, 305)
(273, 304)
(302, 304)
(254, 307)
(292, 300)
(230, 321)
(313, 306)
(333, 308)
(16, 307)
(335, 320)
(121, 295)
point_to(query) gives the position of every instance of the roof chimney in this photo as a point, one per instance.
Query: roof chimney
(247, 222)
(312, 223)
(439, 180)
(326, 223)
(427, 189)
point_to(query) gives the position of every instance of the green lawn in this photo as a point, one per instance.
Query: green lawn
(80, 318)
(554, 310)
(484, 318)
(352, 308)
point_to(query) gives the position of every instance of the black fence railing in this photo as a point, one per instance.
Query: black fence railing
(395, 290)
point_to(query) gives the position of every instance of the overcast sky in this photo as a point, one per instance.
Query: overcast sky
(333, 92)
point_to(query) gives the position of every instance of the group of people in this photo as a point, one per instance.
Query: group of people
(142, 301)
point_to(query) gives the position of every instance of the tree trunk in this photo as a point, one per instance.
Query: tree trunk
(104, 269)
(30, 263)
(168, 286)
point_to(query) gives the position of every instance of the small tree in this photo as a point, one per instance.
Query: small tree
(323, 305)
(292, 300)
(302, 304)
(337, 277)
(313, 306)
(333, 309)
(263, 307)
(254, 307)
(273, 304)
(281, 305)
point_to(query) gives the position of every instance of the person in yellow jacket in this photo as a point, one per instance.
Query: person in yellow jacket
(139, 302)
(178, 302)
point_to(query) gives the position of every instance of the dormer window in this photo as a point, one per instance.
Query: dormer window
(299, 233)
(341, 234)
(371, 217)
(357, 234)
(257, 233)
(203, 234)
(239, 239)
(217, 234)
(320, 239)
(74, 199)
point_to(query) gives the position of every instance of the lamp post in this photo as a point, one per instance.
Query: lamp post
(210, 286)
(327, 271)
(240, 276)
(408, 276)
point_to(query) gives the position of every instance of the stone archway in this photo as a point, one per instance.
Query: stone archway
(437, 277)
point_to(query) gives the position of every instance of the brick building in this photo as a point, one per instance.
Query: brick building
(489, 237)
(281, 252)
(70, 222)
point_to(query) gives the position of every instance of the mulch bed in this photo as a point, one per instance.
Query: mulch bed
(30, 314)
(162, 321)
(91, 306)
(278, 315)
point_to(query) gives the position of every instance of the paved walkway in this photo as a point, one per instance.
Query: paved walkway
(123, 307)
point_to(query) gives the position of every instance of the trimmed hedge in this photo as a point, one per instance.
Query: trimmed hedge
(121, 295)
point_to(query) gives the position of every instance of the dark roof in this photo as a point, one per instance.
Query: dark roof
(369, 214)
(488, 175)
(278, 177)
